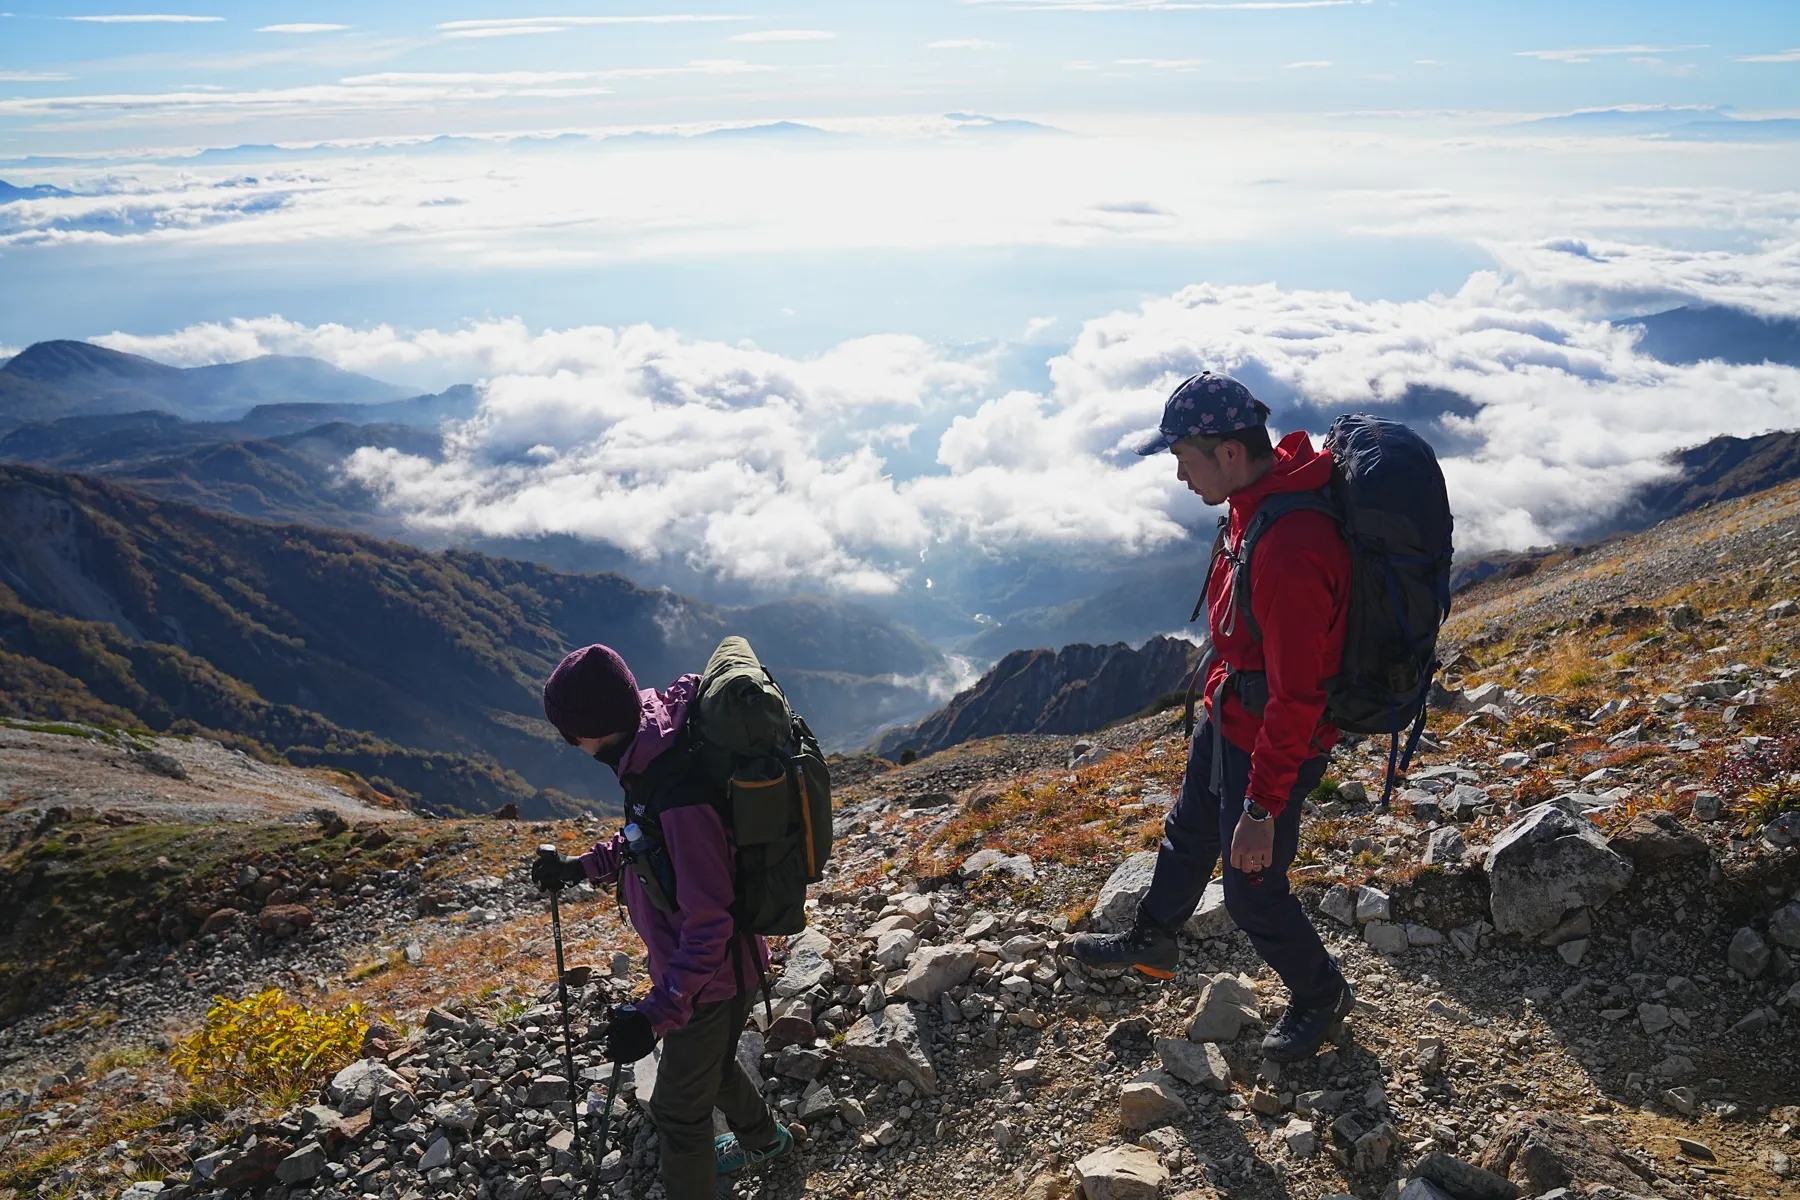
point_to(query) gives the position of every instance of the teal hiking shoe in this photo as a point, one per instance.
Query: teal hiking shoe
(733, 1157)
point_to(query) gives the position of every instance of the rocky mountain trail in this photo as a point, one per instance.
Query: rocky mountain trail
(1574, 934)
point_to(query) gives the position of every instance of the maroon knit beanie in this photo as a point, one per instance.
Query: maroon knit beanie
(592, 693)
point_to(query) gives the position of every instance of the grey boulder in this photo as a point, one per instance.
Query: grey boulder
(886, 1045)
(937, 969)
(1122, 1173)
(1547, 863)
(1117, 904)
(358, 1085)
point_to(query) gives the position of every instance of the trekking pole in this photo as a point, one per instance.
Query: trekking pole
(612, 1086)
(562, 994)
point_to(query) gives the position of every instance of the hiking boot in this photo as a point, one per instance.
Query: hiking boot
(1147, 946)
(733, 1157)
(1300, 1032)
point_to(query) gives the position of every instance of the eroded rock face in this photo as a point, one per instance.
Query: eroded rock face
(886, 1045)
(1652, 838)
(1463, 1179)
(1546, 864)
(1544, 1151)
(1076, 689)
(1122, 1173)
(255, 1167)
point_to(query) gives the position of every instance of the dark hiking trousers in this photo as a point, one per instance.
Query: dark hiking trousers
(699, 1072)
(1197, 835)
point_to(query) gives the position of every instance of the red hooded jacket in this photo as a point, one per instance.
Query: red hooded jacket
(1300, 597)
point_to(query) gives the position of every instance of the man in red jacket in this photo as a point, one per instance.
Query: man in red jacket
(1263, 745)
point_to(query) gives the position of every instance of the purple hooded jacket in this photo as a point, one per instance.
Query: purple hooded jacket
(690, 948)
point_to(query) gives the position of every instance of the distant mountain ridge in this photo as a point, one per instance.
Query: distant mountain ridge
(1077, 689)
(1725, 468)
(56, 379)
(419, 670)
(1696, 333)
(43, 191)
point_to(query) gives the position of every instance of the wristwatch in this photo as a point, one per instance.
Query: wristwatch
(1255, 811)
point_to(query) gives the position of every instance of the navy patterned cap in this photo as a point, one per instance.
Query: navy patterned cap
(1206, 405)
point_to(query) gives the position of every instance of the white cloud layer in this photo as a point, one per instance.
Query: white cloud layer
(892, 183)
(770, 469)
(303, 27)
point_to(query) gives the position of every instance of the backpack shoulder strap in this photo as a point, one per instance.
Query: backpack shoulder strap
(1212, 564)
(1267, 513)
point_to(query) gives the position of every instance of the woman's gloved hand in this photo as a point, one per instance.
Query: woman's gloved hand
(553, 871)
(628, 1036)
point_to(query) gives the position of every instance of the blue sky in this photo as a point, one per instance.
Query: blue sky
(863, 59)
(863, 296)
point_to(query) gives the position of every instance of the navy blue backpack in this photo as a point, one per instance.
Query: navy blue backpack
(1388, 498)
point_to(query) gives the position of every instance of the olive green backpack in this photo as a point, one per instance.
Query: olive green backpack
(776, 786)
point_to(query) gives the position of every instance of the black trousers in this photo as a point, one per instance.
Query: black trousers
(699, 1072)
(1197, 833)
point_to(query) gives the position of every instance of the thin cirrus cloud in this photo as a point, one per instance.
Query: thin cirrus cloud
(1779, 56)
(302, 28)
(1590, 53)
(1311, 64)
(962, 44)
(33, 77)
(144, 19)
(1162, 64)
(360, 93)
(487, 27)
(785, 35)
(416, 78)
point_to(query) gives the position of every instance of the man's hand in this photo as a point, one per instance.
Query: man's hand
(1253, 845)
(629, 1035)
(553, 871)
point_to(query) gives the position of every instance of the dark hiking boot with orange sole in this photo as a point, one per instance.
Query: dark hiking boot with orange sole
(1146, 947)
(1300, 1032)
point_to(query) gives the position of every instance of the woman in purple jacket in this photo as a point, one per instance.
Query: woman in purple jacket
(702, 974)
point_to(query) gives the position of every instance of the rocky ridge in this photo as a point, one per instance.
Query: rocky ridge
(1077, 689)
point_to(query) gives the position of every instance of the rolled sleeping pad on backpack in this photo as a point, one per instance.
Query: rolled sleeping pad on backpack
(740, 705)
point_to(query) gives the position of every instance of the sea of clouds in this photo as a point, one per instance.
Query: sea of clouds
(774, 469)
(863, 468)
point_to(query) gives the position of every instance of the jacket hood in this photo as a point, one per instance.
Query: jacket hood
(661, 716)
(1299, 467)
